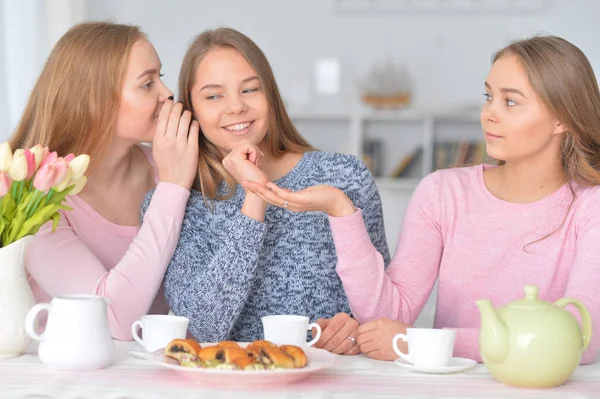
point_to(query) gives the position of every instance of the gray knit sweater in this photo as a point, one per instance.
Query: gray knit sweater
(229, 270)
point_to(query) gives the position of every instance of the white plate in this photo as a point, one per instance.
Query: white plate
(456, 364)
(318, 359)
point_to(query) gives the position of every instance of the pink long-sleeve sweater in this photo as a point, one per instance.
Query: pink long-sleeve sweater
(87, 254)
(455, 230)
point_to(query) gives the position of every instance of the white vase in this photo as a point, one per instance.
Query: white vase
(15, 299)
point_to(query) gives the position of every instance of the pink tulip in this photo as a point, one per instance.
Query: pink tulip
(30, 157)
(44, 178)
(4, 184)
(69, 158)
(61, 170)
(49, 158)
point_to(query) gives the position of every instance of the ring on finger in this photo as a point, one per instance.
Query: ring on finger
(285, 204)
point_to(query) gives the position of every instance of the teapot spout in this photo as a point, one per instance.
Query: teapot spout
(493, 338)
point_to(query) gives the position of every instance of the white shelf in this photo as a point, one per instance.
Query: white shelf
(400, 132)
(400, 115)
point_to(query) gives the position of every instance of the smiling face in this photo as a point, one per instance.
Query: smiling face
(515, 121)
(142, 96)
(229, 100)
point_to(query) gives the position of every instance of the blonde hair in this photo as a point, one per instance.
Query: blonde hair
(563, 78)
(74, 103)
(282, 136)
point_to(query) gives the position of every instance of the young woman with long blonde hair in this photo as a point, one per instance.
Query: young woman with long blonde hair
(487, 231)
(100, 93)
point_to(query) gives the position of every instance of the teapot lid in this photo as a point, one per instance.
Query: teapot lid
(530, 302)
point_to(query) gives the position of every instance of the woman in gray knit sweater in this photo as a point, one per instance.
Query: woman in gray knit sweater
(239, 259)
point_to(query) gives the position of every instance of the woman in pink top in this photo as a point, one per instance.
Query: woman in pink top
(487, 231)
(100, 93)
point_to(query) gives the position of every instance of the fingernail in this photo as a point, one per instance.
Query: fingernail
(171, 98)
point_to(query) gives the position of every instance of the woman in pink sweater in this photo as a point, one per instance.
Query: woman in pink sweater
(487, 231)
(100, 93)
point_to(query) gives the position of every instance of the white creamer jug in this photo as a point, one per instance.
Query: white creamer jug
(77, 336)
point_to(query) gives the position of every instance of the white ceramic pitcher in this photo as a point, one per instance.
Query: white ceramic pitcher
(77, 336)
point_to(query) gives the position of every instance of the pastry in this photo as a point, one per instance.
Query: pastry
(229, 355)
(273, 357)
(255, 346)
(247, 363)
(296, 353)
(233, 353)
(228, 344)
(178, 347)
(211, 354)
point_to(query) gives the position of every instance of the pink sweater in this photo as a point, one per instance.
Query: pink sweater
(87, 254)
(454, 229)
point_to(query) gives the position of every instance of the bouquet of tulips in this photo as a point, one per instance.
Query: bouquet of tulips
(33, 185)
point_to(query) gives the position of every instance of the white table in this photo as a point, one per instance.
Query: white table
(352, 377)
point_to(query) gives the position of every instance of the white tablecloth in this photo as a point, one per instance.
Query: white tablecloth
(352, 377)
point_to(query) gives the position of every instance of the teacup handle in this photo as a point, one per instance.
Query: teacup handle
(32, 317)
(404, 338)
(586, 320)
(315, 339)
(134, 332)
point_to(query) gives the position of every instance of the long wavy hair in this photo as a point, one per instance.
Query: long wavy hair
(282, 136)
(563, 78)
(74, 103)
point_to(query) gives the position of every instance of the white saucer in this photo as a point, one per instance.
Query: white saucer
(139, 352)
(456, 364)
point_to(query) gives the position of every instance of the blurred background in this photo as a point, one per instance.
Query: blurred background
(398, 83)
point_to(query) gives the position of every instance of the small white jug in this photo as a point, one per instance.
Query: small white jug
(77, 336)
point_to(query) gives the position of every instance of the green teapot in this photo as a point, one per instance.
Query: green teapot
(533, 343)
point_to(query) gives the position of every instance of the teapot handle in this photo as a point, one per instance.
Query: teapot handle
(586, 320)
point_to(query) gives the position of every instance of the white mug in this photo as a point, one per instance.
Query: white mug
(289, 330)
(159, 329)
(77, 336)
(427, 347)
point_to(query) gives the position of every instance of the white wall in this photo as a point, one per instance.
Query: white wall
(3, 92)
(21, 56)
(28, 31)
(448, 56)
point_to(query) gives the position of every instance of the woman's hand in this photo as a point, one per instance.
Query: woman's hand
(375, 338)
(338, 335)
(175, 145)
(244, 163)
(320, 198)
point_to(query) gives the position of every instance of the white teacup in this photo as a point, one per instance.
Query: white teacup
(289, 330)
(427, 347)
(159, 329)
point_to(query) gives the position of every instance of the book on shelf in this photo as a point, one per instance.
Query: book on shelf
(373, 156)
(406, 163)
(451, 154)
